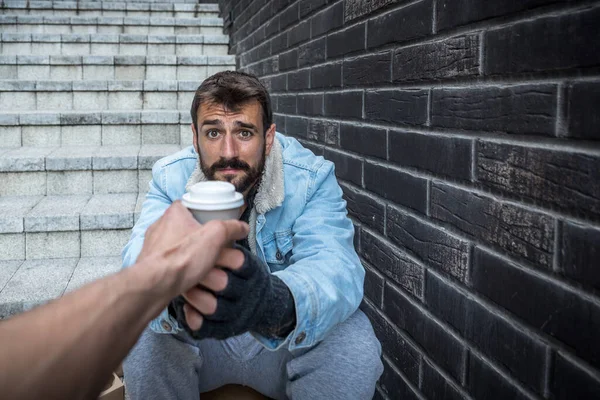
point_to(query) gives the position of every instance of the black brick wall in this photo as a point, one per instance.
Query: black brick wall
(465, 138)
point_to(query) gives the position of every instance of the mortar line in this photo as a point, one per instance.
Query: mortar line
(556, 259)
(546, 379)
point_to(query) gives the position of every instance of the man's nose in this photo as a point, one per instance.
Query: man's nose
(229, 147)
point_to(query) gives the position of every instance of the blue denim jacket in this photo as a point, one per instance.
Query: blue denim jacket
(306, 240)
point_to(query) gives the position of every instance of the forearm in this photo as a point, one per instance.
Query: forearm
(68, 348)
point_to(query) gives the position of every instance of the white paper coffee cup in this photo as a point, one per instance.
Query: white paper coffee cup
(213, 200)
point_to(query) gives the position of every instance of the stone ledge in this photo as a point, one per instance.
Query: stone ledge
(82, 158)
(119, 38)
(94, 117)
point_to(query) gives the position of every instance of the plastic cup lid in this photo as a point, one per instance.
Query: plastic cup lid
(213, 196)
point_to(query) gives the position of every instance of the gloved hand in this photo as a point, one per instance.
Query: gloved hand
(253, 300)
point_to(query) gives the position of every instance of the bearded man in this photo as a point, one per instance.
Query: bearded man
(287, 323)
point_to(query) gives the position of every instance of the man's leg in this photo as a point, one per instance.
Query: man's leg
(162, 367)
(345, 365)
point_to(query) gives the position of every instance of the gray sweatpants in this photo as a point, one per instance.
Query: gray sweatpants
(346, 365)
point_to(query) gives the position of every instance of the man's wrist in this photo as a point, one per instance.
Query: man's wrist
(153, 281)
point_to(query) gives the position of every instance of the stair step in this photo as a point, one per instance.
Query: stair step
(111, 25)
(95, 128)
(124, 44)
(24, 214)
(34, 227)
(38, 67)
(32, 171)
(19, 95)
(26, 284)
(109, 9)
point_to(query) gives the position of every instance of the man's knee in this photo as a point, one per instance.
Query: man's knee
(364, 346)
(354, 340)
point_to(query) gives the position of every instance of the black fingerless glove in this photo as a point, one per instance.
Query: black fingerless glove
(254, 300)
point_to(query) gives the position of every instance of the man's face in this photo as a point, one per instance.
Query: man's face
(232, 145)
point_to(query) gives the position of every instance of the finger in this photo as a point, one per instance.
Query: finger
(235, 289)
(231, 259)
(201, 300)
(215, 280)
(223, 232)
(192, 317)
(226, 311)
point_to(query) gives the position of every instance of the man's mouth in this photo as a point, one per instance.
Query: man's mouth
(228, 170)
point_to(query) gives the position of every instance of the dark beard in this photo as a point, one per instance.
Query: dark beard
(252, 175)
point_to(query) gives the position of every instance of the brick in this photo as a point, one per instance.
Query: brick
(580, 256)
(344, 104)
(330, 19)
(364, 140)
(452, 13)
(523, 109)
(326, 76)
(544, 44)
(410, 22)
(567, 180)
(515, 350)
(279, 43)
(358, 8)
(288, 17)
(405, 107)
(373, 285)
(570, 381)
(516, 230)
(279, 120)
(296, 126)
(394, 386)
(446, 303)
(345, 42)
(450, 58)
(286, 104)
(368, 70)
(484, 382)
(395, 264)
(312, 53)
(366, 210)
(299, 80)
(288, 60)
(442, 347)
(310, 104)
(308, 6)
(447, 156)
(401, 352)
(324, 131)
(278, 83)
(433, 246)
(583, 102)
(397, 186)
(298, 34)
(272, 27)
(435, 386)
(347, 168)
(540, 303)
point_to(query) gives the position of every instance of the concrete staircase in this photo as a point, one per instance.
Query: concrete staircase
(91, 95)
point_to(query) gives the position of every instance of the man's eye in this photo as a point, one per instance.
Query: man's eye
(212, 134)
(246, 134)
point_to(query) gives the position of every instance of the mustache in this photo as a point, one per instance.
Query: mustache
(234, 163)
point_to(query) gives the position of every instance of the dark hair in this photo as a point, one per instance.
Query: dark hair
(232, 89)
